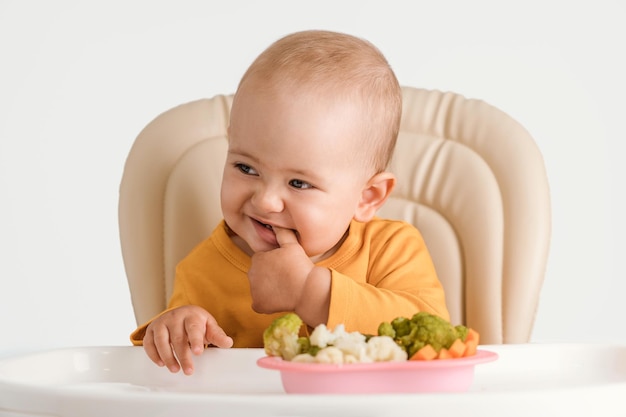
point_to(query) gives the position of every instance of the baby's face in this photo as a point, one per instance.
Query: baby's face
(291, 163)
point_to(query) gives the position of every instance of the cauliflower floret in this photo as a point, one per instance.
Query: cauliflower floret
(304, 358)
(321, 336)
(340, 346)
(352, 344)
(347, 358)
(281, 337)
(384, 348)
(329, 354)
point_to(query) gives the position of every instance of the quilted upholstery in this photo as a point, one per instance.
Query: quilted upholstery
(470, 177)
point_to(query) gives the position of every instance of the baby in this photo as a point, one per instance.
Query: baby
(312, 129)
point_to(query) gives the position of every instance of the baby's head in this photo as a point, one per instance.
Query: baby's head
(336, 68)
(312, 129)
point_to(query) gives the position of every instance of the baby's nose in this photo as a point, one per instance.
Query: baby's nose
(268, 200)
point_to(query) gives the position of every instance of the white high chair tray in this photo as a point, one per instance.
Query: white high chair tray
(530, 379)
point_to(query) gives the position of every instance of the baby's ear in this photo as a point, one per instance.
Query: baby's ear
(374, 195)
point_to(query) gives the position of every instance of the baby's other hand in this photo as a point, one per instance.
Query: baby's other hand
(181, 332)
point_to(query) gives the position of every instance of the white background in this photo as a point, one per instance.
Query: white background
(80, 79)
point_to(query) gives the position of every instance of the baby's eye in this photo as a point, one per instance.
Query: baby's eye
(301, 185)
(246, 169)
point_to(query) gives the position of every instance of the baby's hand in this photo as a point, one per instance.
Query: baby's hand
(277, 277)
(180, 332)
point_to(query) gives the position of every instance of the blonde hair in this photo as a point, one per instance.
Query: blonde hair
(346, 67)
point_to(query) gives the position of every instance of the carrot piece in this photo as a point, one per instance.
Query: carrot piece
(444, 354)
(471, 342)
(457, 349)
(426, 353)
(470, 348)
(472, 335)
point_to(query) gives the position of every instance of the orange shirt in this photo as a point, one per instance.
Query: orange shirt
(382, 271)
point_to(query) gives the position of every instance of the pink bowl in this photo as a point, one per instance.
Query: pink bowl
(440, 375)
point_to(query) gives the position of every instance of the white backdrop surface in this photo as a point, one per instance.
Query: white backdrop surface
(80, 79)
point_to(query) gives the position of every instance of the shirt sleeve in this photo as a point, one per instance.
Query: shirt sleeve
(179, 298)
(400, 280)
(136, 337)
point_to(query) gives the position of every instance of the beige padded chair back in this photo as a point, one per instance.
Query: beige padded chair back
(469, 177)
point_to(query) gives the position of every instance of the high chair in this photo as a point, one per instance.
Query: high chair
(470, 178)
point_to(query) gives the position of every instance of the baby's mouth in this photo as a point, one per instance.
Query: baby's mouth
(267, 226)
(270, 227)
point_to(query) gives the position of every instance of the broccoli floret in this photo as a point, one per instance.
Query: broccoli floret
(420, 330)
(401, 325)
(304, 344)
(434, 330)
(281, 337)
(461, 331)
(386, 329)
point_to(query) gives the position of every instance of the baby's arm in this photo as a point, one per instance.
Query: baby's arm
(399, 280)
(179, 333)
